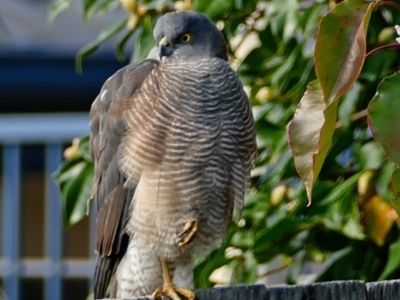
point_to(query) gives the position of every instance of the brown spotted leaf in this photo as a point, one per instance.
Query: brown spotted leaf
(310, 134)
(341, 46)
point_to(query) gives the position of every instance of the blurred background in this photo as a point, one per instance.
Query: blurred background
(351, 231)
(44, 104)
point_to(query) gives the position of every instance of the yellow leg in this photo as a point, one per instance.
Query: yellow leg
(169, 289)
(189, 230)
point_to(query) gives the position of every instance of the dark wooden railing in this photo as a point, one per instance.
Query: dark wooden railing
(336, 290)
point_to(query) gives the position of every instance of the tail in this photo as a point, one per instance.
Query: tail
(105, 269)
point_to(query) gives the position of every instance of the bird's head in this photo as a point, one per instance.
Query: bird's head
(183, 35)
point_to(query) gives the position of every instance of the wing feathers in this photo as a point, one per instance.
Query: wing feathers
(113, 200)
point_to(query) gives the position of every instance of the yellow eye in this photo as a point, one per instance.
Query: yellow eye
(186, 38)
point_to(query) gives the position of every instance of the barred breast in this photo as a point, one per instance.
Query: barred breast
(189, 146)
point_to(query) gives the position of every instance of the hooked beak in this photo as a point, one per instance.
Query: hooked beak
(165, 47)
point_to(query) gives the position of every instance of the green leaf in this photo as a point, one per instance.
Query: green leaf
(334, 260)
(105, 35)
(295, 270)
(370, 156)
(57, 7)
(291, 19)
(285, 67)
(396, 190)
(87, 9)
(384, 180)
(350, 214)
(340, 190)
(84, 149)
(384, 116)
(348, 104)
(78, 195)
(204, 267)
(145, 40)
(277, 15)
(342, 214)
(122, 43)
(341, 46)
(87, 4)
(67, 170)
(242, 239)
(74, 178)
(280, 232)
(93, 7)
(213, 8)
(310, 134)
(393, 262)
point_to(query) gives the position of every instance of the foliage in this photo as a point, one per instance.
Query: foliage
(74, 177)
(342, 132)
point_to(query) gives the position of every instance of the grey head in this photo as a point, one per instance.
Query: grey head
(187, 35)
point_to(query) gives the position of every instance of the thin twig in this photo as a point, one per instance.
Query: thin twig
(382, 48)
(390, 3)
(359, 115)
(354, 117)
(277, 270)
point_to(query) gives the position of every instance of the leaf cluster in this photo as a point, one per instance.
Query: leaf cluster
(346, 160)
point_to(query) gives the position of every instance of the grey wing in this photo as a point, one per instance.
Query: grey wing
(112, 198)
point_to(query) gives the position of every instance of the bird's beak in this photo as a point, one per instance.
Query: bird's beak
(165, 47)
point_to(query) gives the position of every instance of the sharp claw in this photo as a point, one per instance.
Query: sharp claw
(188, 232)
(169, 289)
(188, 294)
(172, 293)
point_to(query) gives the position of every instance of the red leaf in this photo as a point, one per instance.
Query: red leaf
(341, 46)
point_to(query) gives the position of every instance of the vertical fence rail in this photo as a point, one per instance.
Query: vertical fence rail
(50, 130)
(53, 225)
(11, 219)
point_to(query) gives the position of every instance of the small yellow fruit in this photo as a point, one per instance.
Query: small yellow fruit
(364, 182)
(129, 5)
(278, 194)
(183, 5)
(142, 9)
(132, 22)
(264, 94)
(72, 152)
(161, 8)
(386, 35)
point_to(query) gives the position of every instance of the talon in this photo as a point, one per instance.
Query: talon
(188, 232)
(166, 292)
(169, 289)
(173, 293)
(188, 294)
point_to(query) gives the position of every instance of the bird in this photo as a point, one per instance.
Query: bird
(173, 143)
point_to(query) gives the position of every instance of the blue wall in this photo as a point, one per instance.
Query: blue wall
(37, 82)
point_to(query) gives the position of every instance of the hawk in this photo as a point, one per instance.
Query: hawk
(173, 142)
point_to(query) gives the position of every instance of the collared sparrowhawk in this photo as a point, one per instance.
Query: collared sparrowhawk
(173, 141)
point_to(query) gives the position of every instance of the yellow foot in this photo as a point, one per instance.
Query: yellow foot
(173, 293)
(188, 232)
